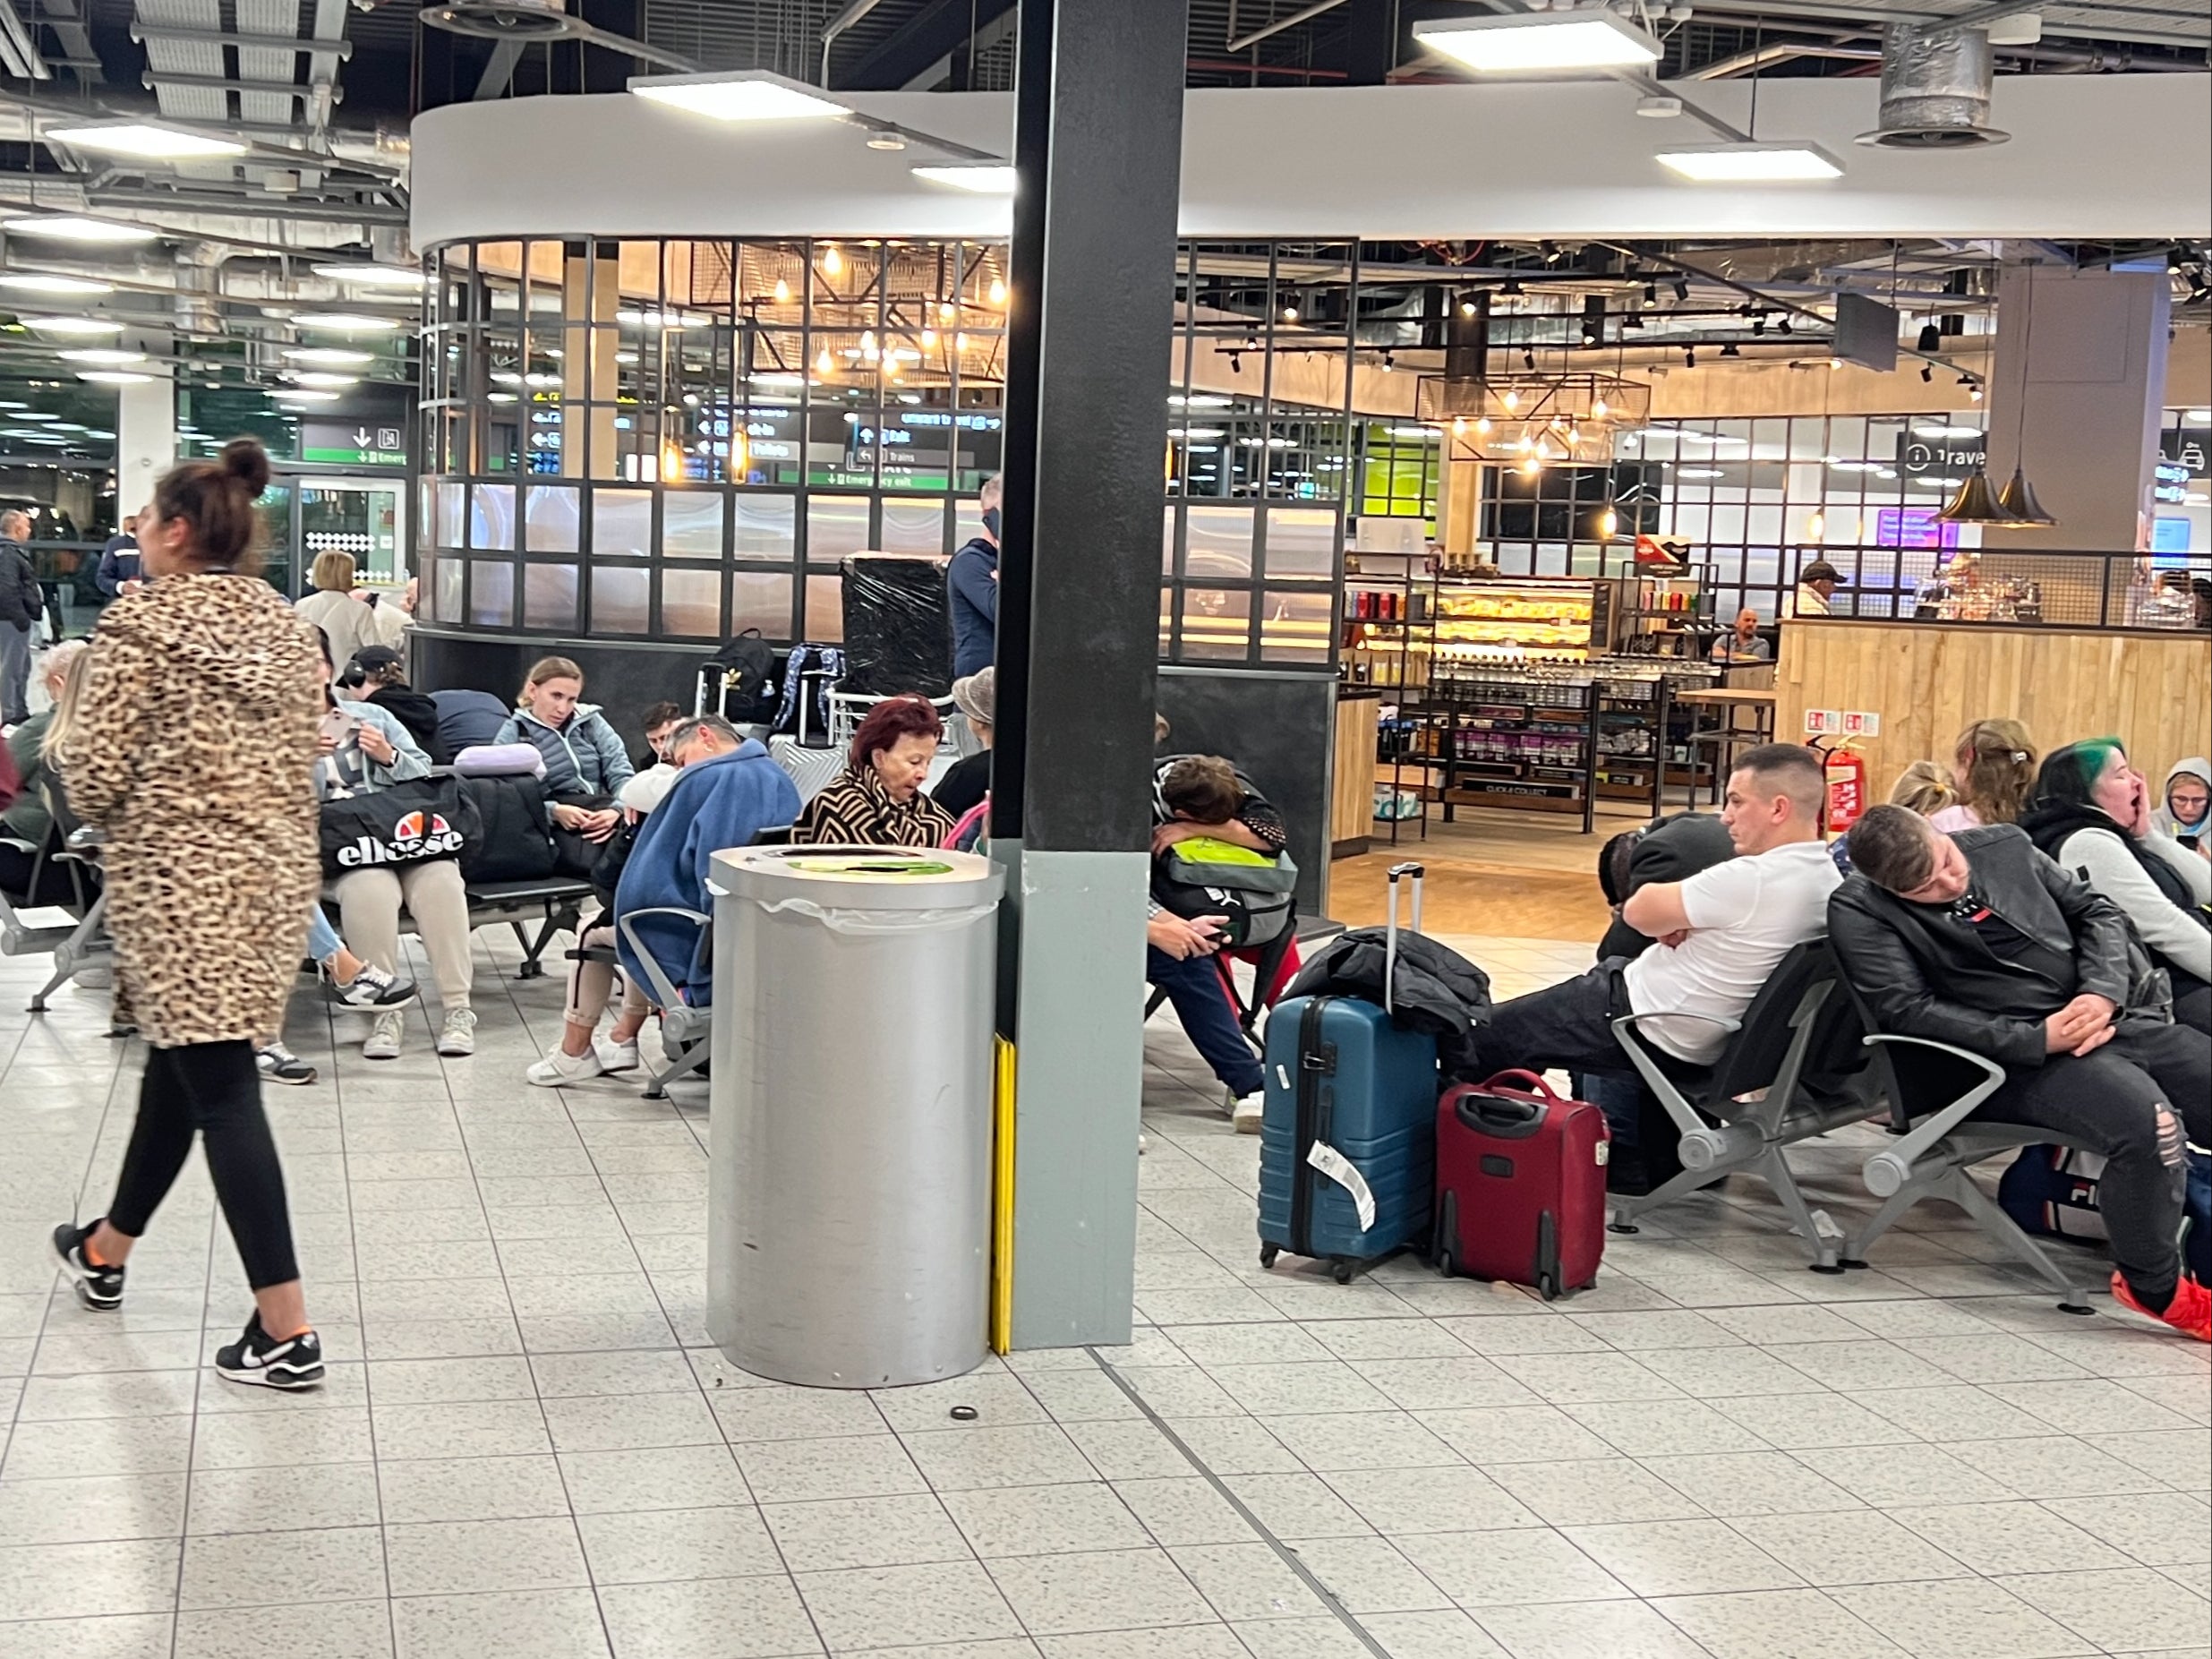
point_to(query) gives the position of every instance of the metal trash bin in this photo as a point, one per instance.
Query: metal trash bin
(848, 1220)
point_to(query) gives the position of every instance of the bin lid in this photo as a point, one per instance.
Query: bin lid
(862, 878)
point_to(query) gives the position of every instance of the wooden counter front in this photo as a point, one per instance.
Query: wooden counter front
(1352, 773)
(1929, 680)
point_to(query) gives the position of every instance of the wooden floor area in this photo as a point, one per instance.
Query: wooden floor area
(1531, 875)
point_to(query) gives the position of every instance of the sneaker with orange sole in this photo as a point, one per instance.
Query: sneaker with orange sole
(2190, 1312)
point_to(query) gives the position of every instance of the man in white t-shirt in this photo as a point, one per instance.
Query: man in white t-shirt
(1719, 934)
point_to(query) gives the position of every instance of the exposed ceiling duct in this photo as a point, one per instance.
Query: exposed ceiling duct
(1935, 87)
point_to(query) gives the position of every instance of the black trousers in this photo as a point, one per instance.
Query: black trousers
(1569, 1025)
(212, 1090)
(2109, 1100)
(2193, 1002)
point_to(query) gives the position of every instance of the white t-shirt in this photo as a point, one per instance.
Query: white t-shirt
(1744, 916)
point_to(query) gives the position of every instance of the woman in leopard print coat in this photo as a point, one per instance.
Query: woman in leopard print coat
(193, 745)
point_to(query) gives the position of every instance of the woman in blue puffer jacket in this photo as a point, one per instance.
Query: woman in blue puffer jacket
(585, 760)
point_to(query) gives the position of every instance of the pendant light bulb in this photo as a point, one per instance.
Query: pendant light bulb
(1482, 427)
(783, 291)
(1599, 409)
(825, 363)
(998, 291)
(1512, 398)
(832, 261)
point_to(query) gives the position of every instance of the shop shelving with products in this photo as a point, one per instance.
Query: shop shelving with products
(1663, 613)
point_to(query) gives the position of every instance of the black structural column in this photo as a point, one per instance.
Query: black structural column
(1098, 150)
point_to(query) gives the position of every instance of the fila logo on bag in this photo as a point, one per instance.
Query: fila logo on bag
(418, 834)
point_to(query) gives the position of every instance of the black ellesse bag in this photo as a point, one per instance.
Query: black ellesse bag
(409, 823)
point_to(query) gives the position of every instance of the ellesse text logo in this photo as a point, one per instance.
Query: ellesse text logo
(416, 835)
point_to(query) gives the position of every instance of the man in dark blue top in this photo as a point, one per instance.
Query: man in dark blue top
(119, 561)
(971, 581)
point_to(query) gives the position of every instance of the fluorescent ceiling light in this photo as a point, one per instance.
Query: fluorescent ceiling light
(1946, 431)
(303, 393)
(631, 318)
(2199, 418)
(134, 138)
(986, 178)
(372, 276)
(1197, 400)
(308, 377)
(1929, 481)
(34, 282)
(1195, 432)
(103, 356)
(741, 95)
(329, 356)
(777, 376)
(1854, 467)
(1524, 41)
(37, 414)
(1416, 432)
(76, 228)
(113, 377)
(72, 325)
(345, 321)
(1750, 163)
(1699, 472)
(500, 396)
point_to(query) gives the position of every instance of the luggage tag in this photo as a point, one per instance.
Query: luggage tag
(1346, 1174)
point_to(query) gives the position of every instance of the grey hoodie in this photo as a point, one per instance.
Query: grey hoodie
(2162, 818)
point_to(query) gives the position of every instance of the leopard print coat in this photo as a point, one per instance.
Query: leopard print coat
(193, 748)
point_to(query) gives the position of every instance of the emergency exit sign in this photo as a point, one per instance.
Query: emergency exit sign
(348, 444)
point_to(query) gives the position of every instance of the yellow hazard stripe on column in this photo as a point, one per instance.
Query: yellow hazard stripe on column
(1002, 1195)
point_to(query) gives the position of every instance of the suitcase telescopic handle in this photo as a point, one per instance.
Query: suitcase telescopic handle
(1397, 873)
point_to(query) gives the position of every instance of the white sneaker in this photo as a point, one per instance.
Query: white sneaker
(560, 1068)
(383, 1042)
(458, 1036)
(1248, 1112)
(618, 1056)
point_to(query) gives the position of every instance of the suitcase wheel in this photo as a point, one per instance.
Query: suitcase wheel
(1341, 1272)
(1548, 1286)
(1268, 1254)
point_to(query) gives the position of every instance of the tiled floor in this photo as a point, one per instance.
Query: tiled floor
(526, 1450)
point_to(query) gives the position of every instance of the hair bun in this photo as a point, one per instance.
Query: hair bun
(244, 459)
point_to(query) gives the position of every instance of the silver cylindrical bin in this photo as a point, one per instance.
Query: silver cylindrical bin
(849, 1213)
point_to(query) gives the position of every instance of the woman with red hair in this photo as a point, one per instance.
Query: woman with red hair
(878, 802)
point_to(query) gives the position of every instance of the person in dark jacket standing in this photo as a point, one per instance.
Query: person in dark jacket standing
(118, 572)
(21, 602)
(971, 583)
(1980, 941)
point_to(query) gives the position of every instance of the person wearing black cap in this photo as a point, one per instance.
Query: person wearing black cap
(1816, 583)
(967, 781)
(384, 681)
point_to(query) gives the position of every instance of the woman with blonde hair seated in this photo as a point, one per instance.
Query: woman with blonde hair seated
(1924, 787)
(1994, 767)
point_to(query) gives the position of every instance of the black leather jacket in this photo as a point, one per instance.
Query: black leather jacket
(1926, 973)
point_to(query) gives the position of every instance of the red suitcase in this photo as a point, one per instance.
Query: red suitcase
(1520, 1183)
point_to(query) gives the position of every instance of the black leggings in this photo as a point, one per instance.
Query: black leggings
(212, 1088)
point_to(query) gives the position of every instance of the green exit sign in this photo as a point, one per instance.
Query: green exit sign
(348, 444)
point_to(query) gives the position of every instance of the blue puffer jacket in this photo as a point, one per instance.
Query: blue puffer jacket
(714, 805)
(583, 758)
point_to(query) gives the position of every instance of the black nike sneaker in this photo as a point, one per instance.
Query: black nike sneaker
(260, 1359)
(97, 1286)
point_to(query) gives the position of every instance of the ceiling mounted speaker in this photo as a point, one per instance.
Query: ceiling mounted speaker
(508, 20)
(1935, 87)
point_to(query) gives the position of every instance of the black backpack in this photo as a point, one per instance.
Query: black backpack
(746, 664)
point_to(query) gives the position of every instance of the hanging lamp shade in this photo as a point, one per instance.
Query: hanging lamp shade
(2017, 502)
(1976, 502)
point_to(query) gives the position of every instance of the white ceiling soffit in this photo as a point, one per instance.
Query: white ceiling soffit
(2104, 156)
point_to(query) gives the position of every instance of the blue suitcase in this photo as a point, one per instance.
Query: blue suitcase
(1347, 1150)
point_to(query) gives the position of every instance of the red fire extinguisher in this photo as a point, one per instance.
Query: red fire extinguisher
(1846, 774)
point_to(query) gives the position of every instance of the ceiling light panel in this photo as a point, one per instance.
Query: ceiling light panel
(150, 143)
(985, 179)
(41, 282)
(1532, 42)
(1751, 164)
(75, 227)
(72, 325)
(371, 275)
(743, 96)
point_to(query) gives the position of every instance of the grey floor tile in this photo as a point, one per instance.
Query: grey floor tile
(1681, 1558)
(2158, 1530)
(89, 1507)
(1572, 1379)
(649, 1547)
(1616, 1630)
(546, 1624)
(1247, 1582)
(1450, 1383)
(440, 1382)
(460, 1429)
(253, 1570)
(282, 1498)
(1376, 1440)
(1514, 1434)
(1278, 1388)
(1453, 1499)
(70, 1580)
(2132, 1608)
(669, 1477)
(1188, 1641)
(1480, 1569)
(116, 1635)
(1664, 1428)
(895, 1531)
(361, 1630)
(630, 1422)
(2019, 1537)
(956, 1459)
(1368, 1575)
(1310, 1637)
(1186, 1510)
(562, 1376)
(456, 1558)
(777, 1411)
(863, 1607)
(2052, 1465)
(1902, 1475)
(471, 1489)
(1776, 1624)
(99, 1446)
(1045, 1520)
(1849, 1547)
(1299, 1506)
(1452, 1635)
(1960, 1618)
(1592, 1493)
(1101, 1590)
(1386, 1339)
(2093, 1406)
(997, 1398)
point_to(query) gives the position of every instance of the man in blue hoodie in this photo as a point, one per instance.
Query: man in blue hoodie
(727, 791)
(971, 581)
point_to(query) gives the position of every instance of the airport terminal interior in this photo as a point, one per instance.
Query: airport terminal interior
(1106, 829)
